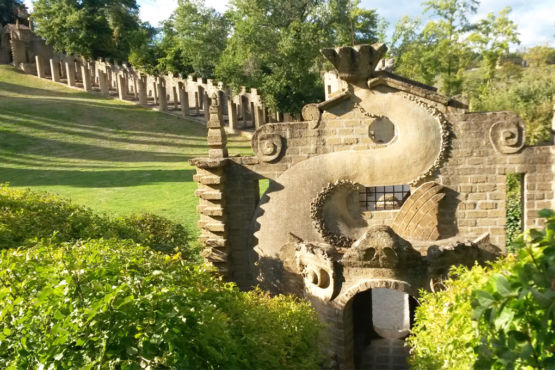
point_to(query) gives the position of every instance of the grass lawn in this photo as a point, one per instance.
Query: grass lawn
(112, 156)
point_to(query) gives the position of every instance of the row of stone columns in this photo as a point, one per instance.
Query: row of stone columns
(190, 95)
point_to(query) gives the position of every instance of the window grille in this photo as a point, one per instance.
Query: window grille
(380, 198)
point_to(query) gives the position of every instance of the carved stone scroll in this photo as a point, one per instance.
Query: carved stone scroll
(267, 147)
(507, 137)
(312, 114)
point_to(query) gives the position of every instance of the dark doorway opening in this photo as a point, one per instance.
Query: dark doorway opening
(372, 350)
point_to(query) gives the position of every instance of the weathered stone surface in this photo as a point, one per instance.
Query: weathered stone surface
(387, 187)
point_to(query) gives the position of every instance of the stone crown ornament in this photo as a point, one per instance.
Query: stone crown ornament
(355, 63)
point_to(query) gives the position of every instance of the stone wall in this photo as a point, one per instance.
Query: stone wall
(308, 234)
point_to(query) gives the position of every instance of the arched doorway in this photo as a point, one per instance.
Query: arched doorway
(377, 318)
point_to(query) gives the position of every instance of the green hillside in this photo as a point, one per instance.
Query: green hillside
(112, 156)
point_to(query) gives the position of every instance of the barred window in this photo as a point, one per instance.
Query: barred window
(380, 198)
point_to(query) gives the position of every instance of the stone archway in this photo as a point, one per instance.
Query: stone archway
(352, 322)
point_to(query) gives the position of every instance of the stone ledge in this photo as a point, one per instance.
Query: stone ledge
(208, 195)
(206, 163)
(208, 179)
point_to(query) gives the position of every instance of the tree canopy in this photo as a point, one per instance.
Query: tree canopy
(90, 28)
(11, 11)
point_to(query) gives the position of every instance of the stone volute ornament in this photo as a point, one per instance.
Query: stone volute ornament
(355, 63)
(507, 137)
(267, 146)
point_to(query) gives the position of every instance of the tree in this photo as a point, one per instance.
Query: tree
(274, 47)
(12, 10)
(90, 28)
(349, 24)
(540, 55)
(194, 38)
(492, 38)
(447, 33)
(413, 54)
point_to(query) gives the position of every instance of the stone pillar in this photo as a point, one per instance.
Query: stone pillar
(184, 99)
(141, 87)
(205, 103)
(257, 116)
(135, 86)
(55, 70)
(197, 103)
(103, 82)
(70, 72)
(40, 66)
(210, 177)
(174, 97)
(217, 139)
(162, 99)
(85, 73)
(232, 115)
(200, 94)
(122, 88)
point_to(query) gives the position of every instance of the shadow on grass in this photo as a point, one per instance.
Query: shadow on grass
(27, 90)
(92, 179)
(51, 125)
(24, 144)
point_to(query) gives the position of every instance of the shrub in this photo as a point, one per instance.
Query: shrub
(443, 336)
(516, 309)
(27, 216)
(497, 317)
(115, 304)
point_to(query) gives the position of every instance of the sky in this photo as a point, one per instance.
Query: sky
(535, 18)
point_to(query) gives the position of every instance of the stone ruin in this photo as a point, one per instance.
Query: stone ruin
(372, 197)
(182, 96)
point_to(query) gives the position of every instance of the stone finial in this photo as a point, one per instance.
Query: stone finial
(217, 139)
(355, 63)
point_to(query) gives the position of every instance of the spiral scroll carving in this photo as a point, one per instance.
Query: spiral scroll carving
(268, 147)
(507, 137)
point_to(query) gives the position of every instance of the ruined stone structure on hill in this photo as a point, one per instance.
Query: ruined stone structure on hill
(185, 96)
(372, 196)
(380, 189)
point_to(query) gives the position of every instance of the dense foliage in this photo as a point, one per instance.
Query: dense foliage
(11, 11)
(91, 28)
(26, 217)
(515, 310)
(502, 316)
(513, 227)
(526, 91)
(78, 290)
(275, 46)
(115, 304)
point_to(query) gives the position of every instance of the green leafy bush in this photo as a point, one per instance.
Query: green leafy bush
(513, 228)
(115, 304)
(27, 216)
(516, 308)
(500, 316)
(443, 335)
(527, 91)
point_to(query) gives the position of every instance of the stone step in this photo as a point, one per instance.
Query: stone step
(212, 211)
(208, 179)
(209, 194)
